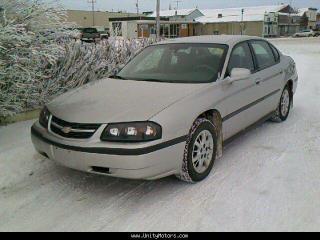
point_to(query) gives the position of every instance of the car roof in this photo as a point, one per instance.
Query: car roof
(230, 40)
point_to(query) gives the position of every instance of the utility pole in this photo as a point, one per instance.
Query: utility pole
(158, 20)
(242, 23)
(137, 6)
(93, 2)
(177, 2)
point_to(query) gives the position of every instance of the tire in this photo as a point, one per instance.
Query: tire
(195, 171)
(285, 105)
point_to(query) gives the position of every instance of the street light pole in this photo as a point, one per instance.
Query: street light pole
(158, 20)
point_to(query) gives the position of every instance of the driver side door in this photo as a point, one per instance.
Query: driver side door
(240, 96)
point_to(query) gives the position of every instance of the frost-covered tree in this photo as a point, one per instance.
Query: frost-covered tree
(30, 36)
(40, 59)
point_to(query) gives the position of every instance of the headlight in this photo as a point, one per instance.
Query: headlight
(132, 132)
(44, 117)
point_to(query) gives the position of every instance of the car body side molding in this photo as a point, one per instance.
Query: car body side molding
(231, 115)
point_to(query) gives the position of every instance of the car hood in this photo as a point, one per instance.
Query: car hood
(112, 100)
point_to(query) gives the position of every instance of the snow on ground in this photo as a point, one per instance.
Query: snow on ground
(267, 180)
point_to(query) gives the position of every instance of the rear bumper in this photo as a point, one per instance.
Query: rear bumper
(147, 163)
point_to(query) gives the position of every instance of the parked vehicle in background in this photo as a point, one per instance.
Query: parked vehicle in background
(306, 33)
(90, 35)
(169, 110)
(103, 33)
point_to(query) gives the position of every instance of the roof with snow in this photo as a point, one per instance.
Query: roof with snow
(302, 11)
(172, 13)
(250, 14)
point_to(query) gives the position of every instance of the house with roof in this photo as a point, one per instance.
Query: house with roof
(263, 21)
(318, 21)
(308, 18)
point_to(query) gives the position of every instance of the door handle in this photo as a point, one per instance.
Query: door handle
(258, 81)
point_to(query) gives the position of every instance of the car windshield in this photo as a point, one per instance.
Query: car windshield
(177, 63)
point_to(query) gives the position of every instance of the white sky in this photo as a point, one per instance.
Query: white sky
(149, 5)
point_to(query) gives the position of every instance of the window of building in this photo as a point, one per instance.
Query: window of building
(117, 28)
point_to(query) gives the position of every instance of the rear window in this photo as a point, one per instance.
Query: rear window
(90, 30)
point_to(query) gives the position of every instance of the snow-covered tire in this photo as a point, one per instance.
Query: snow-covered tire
(284, 107)
(188, 172)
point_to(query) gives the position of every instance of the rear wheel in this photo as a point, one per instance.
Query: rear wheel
(200, 151)
(284, 107)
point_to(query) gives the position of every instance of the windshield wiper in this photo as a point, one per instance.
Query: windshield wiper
(155, 80)
(118, 77)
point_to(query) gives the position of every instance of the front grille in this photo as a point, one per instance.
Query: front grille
(72, 130)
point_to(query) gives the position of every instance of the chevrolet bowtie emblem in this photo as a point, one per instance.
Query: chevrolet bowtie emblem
(66, 130)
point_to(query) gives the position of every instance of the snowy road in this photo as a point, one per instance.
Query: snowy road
(268, 180)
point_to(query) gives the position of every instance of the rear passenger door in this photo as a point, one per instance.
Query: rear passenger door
(269, 74)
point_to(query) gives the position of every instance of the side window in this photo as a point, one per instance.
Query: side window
(241, 57)
(264, 54)
(275, 53)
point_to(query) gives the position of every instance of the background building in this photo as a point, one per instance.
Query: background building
(144, 27)
(180, 15)
(86, 19)
(263, 21)
(308, 18)
(255, 21)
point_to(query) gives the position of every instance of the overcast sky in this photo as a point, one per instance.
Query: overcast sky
(149, 5)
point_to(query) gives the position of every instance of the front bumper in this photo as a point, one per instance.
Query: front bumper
(149, 163)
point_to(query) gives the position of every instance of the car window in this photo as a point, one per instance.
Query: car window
(263, 53)
(276, 53)
(241, 57)
(151, 61)
(177, 63)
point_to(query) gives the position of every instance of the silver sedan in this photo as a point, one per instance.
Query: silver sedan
(170, 110)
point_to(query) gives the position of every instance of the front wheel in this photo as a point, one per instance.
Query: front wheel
(284, 107)
(200, 151)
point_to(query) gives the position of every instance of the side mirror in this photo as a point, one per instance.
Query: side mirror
(239, 74)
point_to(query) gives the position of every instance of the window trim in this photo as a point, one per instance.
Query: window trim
(273, 47)
(252, 57)
(258, 69)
